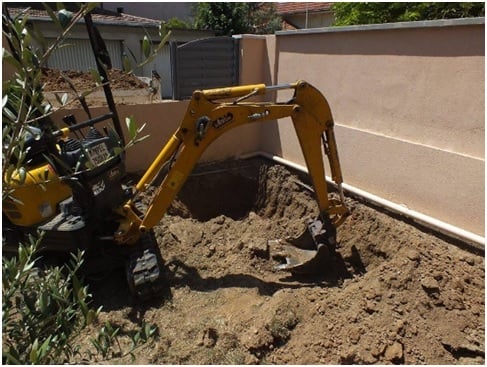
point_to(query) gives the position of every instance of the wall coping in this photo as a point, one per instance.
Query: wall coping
(388, 26)
(248, 35)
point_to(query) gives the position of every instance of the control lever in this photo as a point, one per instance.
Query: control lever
(70, 120)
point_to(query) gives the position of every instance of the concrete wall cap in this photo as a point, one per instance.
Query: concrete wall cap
(388, 26)
(247, 35)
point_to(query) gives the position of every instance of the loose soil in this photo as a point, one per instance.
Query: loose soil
(392, 294)
(55, 80)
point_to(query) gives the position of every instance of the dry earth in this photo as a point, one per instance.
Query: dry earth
(126, 88)
(394, 294)
(56, 80)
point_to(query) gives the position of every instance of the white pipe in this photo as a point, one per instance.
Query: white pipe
(421, 218)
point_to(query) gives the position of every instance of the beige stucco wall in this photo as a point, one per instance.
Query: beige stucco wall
(162, 119)
(408, 103)
(409, 106)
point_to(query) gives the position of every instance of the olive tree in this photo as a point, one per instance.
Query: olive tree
(45, 310)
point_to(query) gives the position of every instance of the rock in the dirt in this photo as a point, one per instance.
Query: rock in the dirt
(378, 349)
(413, 255)
(182, 234)
(210, 251)
(349, 356)
(354, 335)
(468, 259)
(399, 327)
(370, 307)
(430, 284)
(367, 358)
(394, 353)
(208, 338)
(257, 340)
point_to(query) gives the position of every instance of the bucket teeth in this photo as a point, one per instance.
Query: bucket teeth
(299, 261)
(308, 253)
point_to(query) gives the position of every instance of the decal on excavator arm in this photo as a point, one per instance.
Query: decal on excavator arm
(221, 121)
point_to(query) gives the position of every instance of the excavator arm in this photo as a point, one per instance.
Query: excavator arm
(210, 114)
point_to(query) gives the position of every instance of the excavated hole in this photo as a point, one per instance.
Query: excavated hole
(209, 195)
(244, 191)
(234, 189)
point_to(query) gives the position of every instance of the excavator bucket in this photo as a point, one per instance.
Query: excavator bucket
(310, 252)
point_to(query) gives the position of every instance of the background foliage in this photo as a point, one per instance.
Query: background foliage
(379, 12)
(229, 18)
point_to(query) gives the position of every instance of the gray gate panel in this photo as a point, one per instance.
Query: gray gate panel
(204, 64)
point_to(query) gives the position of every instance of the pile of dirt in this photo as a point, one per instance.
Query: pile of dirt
(54, 80)
(392, 294)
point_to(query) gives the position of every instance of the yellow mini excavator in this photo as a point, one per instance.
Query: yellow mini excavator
(73, 190)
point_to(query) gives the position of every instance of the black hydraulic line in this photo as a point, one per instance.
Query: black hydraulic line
(100, 51)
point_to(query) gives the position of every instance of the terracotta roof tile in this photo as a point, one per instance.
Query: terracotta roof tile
(103, 18)
(301, 7)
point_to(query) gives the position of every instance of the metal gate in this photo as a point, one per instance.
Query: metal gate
(203, 64)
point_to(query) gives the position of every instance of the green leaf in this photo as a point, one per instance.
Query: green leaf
(142, 138)
(155, 52)
(96, 76)
(33, 352)
(136, 339)
(9, 114)
(146, 47)
(141, 128)
(22, 175)
(64, 99)
(127, 64)
(90, 6)
(131, 126)
(52, 15)
(27, 36)
(162, 29)
(7, 57)
(117, 150)
(45, 347)
(43, 301)
(90, 317)
(10, 171)
(47, 108)
(58, 98)
(11, 358)
(96, 344)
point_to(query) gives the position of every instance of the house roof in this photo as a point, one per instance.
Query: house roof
(99, 16)
(289, 8)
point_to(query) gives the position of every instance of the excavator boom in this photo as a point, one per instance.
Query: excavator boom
(213, 112)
